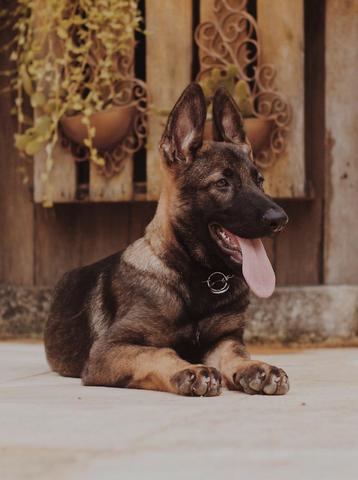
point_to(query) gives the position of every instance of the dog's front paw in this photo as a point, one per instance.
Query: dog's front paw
(198, 381)
(261, 378)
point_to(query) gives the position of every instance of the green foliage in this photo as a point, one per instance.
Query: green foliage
(239, 89)
(51, 51)
(242, 95)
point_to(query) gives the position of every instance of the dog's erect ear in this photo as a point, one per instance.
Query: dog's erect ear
(183, 134)
(228, 123)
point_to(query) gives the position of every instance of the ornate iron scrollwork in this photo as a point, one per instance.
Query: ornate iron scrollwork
(232, 38)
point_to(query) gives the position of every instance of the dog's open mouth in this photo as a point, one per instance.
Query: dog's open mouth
(251, 254)
(227, 241)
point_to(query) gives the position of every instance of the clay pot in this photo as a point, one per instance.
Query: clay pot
(257, 130)
(111, 125)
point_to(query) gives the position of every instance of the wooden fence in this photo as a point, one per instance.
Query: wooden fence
(37, 245)
(170, 53)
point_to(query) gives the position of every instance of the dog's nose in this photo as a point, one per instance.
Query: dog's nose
(275, 219)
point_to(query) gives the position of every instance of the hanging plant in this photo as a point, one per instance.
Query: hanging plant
(52, 53)
(258, 129)
(239, 89)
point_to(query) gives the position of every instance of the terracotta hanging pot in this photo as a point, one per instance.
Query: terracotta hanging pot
(257, 130)
(111, 125)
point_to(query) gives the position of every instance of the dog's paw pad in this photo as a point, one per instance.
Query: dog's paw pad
(198, 381)
(261, 378)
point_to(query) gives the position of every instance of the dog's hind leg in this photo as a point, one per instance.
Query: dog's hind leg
(240, 373)
(133, 366)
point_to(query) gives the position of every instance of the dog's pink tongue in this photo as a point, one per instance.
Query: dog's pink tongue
(256, 267)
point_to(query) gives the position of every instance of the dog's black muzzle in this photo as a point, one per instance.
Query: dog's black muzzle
(254, 215)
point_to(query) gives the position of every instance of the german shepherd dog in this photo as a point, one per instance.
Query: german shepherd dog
(167, 313)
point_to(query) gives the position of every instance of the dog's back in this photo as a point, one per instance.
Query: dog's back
(82, 303)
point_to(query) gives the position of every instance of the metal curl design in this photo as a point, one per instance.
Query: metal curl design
(124, 91)
(132, 142)
(232, 38)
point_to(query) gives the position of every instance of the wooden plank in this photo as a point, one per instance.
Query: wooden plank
(116, 188)
(269, 245)
(207, 11)
(168, 71)
(103, 230)
(73, 235)
(298, 247)
(341, 226)
(16, 208)
(59, 186)
(140, 215)
(120, 186)
(298, 259)
(282, 44)
(56, 231)
(58, 183)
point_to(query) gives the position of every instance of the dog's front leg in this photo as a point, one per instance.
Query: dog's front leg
(134, 366)
(230, 357)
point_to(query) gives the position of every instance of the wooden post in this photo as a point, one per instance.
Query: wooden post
(341, 225)
(169, 58)
(61, 183)
(207, 10)
(117, 188)
(16, 208)
(281, 28)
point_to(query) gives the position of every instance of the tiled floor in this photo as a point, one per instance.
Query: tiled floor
(54, 428)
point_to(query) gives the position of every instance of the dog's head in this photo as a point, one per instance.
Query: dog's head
(219, 207)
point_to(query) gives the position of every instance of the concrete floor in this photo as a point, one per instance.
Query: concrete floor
(53, 428)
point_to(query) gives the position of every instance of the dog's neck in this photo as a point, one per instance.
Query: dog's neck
(161, 234)
(159, 231)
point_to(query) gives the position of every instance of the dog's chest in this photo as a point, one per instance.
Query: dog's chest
(208, 317)
(225, 297)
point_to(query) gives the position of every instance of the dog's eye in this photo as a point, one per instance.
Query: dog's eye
(222, 183)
